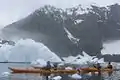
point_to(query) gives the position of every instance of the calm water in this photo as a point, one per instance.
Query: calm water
(4, 68)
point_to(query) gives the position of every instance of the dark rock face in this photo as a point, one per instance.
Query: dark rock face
(91, 25)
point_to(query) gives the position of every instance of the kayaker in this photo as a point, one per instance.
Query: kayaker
(55, 66)
(109, 66)
(48, 66)
(98, 67)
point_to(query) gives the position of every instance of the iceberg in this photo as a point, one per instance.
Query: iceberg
(4, 52)
(27, 51)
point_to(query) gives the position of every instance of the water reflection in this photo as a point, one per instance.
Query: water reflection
(96, 77)
(64, 77)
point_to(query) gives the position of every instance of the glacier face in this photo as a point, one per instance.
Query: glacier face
(26, 51)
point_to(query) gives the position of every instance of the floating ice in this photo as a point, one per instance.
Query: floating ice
(57, 78)
(39, 63)
(5, 74)
(76, 76)
(83, 60)
(68, 68)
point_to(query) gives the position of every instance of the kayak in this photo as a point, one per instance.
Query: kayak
(96, 70)
(40, 71)
(58, 71)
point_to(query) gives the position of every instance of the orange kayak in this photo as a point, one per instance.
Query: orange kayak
(40, 71)
(61, 71)
(96, 70)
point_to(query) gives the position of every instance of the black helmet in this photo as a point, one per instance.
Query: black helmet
(109, 62)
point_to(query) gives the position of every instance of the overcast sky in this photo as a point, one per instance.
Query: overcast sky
(13, 10)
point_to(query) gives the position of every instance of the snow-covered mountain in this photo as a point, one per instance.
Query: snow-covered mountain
(91, 26)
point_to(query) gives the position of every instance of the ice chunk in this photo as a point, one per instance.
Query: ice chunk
(76, 76)
(68, 68)
(5, 74)
(57, 78)
(39, 63)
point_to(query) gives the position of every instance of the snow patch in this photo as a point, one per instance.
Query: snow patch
(71, 37)
(78, 10)
(78, 21)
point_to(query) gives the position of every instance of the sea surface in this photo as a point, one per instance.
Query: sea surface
(4, 68)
